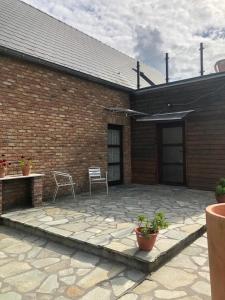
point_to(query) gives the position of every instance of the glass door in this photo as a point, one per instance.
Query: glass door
(115, 161)
(171, 153)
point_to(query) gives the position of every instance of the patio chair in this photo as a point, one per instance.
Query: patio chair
(95, 176)
(63, 179)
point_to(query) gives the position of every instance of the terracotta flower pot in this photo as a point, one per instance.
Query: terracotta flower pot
(2, 172)
(220, 198)
(215, 220)
(145, 244)
(26, 170)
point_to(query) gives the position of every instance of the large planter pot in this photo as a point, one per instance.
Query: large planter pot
(215, 221)
(145, 244)
(220, 198)
(26, 170)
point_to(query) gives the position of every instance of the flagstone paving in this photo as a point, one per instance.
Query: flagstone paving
(185, 277)
(33, 268)
(107, 222)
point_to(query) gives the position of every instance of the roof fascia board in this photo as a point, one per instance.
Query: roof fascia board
(33, 59)
(178, 83)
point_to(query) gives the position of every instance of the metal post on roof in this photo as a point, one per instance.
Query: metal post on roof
(201, 59)
(167, 67)
(138, 75)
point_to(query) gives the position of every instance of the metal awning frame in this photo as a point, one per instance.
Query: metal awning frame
(170, 116)
(126, 111)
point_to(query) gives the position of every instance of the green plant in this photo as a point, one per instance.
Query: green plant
(148, 226)
(220, 188)
(25, 162)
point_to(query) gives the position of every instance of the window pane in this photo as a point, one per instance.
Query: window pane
(114, 173)
(113, 137)
(113, 155)
(172, 135)
(173, 154)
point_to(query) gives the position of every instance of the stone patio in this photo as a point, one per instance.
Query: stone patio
(33, 268)
(103, 225)
(185, 277)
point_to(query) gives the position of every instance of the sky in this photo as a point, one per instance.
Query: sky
(146, 29)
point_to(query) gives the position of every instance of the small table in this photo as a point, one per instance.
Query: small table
(12, 188)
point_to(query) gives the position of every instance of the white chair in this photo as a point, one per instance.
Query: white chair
(95, 176)
(63, 179)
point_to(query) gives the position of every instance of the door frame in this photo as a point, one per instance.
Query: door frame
(160, 126)
(120, 128)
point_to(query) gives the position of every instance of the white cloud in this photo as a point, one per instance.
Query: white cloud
(149, 28)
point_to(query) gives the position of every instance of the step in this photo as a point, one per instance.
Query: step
(144, 261)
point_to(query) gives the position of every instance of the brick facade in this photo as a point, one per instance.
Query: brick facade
(58, 120)
(20, 192)
(16, 193)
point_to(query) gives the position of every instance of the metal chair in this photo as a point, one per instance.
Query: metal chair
(95, 176)
(63, 179)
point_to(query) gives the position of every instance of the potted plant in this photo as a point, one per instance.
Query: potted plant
(148, 230)
(26, 165)
(4, 164)
(220, 191)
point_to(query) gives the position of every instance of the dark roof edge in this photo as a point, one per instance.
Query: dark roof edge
(33, 59)
(179, 82)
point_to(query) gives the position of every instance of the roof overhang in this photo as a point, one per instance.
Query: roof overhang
(171, 116)
(61, 68)
(126, 111)
(178, 83)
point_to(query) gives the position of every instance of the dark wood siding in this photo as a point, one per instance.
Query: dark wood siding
(205, 131)
(144, 152)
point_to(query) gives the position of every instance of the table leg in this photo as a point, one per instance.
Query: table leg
(37, 189)
(1, 196)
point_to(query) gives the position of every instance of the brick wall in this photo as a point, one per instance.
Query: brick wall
(16, 193)
(58, 120)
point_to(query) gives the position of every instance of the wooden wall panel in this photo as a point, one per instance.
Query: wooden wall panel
(205, 131)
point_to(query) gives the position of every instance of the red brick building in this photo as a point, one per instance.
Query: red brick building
(56, 86)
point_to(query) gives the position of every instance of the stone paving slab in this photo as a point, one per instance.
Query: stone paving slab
(33, 268)
(185, 277)
(104, 224)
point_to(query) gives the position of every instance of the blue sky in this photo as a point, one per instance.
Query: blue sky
(148, 28)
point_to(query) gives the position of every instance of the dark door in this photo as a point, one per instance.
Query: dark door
(171, 153)
(115, 157)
